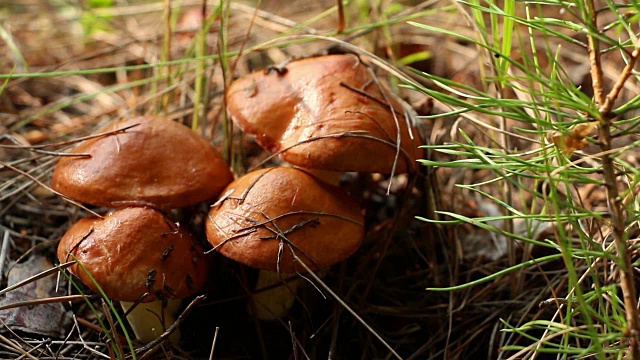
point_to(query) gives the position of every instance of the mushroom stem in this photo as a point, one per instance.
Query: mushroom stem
(146, 319)
(274, 302)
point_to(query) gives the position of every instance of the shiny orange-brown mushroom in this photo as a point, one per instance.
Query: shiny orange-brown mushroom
(158, 163)
(264, 208)
(268, 215)
(326, 113)
(136, 254)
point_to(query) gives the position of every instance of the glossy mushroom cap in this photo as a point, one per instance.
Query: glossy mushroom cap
(325, 113)
(158, 163)
(320, 222)
(135, 251)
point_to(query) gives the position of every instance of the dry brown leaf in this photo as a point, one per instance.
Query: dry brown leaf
(45, 319)
(569, 143)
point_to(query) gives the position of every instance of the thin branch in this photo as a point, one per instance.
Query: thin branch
(50, 300)
(614, 202)
(346, 307)
(607, 106)
(355, 133)
(63, 143)
(36, 277)
(35, 180)
(213, 344)
(618, 220)
(148, 349)
(18, 348)
(594, 53)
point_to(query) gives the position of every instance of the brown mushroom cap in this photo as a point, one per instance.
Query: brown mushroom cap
(323, 224)
(158, 163)
(324, 113)
(135, 251)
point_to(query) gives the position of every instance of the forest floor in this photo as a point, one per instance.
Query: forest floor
(97, 61)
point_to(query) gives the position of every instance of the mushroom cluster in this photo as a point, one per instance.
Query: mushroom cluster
(324, 115)
(137, 254)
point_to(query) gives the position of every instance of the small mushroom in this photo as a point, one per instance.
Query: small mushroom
(326, 113)
(268, 215)
(136, 254)
(158, 163)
